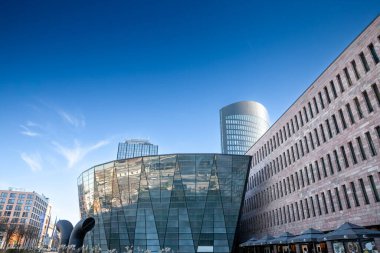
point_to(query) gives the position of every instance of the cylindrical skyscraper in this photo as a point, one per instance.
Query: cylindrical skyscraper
(241, 125)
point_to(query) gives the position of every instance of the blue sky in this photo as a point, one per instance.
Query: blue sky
(77, 77)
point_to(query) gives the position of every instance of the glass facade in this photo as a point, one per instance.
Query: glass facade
(186, 202)
(136, 148)
(241, 125)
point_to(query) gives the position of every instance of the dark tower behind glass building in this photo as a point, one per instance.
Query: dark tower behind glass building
(241, 125)
(135, 148)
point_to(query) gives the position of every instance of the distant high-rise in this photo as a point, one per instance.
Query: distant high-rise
(241, 125)
(135, 148)
(27, 210)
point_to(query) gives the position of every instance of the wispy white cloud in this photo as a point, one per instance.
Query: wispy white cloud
(72, 120)
(34, 161)
(28, 132)
(32, 124)
(76, 153)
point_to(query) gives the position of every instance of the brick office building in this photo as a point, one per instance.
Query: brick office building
(319, 164)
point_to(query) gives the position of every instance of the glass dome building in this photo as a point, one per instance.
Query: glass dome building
(241, 125)
(185, 202)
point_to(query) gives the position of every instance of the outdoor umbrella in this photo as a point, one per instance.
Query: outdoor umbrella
(309, 235)
(283, 238)
(263, 241)
(350, 231)
(248, 242)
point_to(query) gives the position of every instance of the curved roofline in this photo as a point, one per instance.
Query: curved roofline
(244, 101)
(160, 155)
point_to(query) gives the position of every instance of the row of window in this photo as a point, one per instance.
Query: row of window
(312, 172)
(307, 112)
(325, 131)
(244, 117)
(14, 195)
(245, 131)
(16, 207)
(15, 214)
(15, 220)
(330, 201)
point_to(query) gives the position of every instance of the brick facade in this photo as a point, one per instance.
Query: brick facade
(319, 164)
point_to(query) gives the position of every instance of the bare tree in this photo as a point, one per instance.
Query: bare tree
(21, 230)
(11, 231)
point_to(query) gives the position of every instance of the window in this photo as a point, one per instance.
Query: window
(297, 152)
(337, 160)
(301, 176)
(375, 57)
(323, 167)
(327, 94)
(360, 144)
(378, 131)
(301, 146)
(338, 197)
(342, 119)
(358, 108)
(348, 204)
(367, 101)
(292, 207)
(364, 62)
(348, 108)
(352, 150)
(348, 78)
(377, 93)
(9, 207)
(317, 169)
(12, 195)
(331, 201)
(330, 164)
(302, 210)
(316, 136)
(370, 144)
(300, 116)
(335, 124)
(321, 100)
(297, 181)
(294, 187)
(305, 113)
(322, 132)
(340, 83)
(306, 175)
(297, 210)
(343, 151)
(315, 105)
(293, 156)
(307, 208)
(374, 189)
(291, 121)
(307, 146)
(332, 85)
(324, 202)
(311, 141)
(328, 128)
(311, 172)
(353, 64)
(296, 120)
(318, 205)
(354, 194)
(364, 191)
